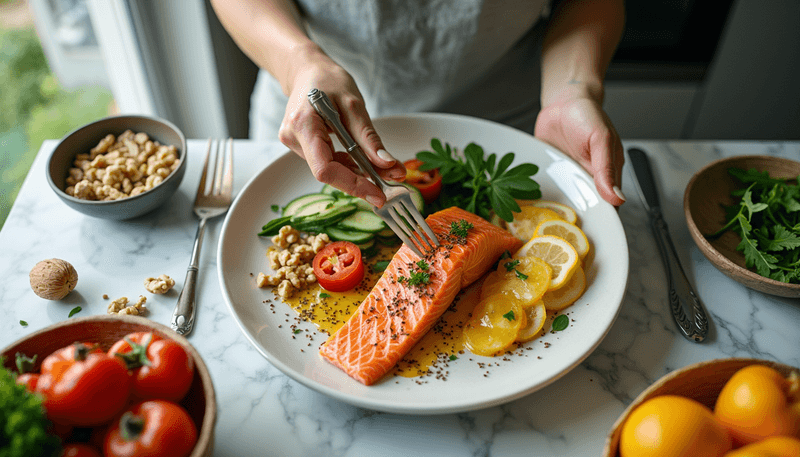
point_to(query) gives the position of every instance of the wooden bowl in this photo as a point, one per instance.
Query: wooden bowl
(105, 330)
(701, 381)
(707, 193)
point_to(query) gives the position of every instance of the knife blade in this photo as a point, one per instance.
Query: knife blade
(687, 309)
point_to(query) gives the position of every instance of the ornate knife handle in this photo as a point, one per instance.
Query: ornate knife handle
(687, 309)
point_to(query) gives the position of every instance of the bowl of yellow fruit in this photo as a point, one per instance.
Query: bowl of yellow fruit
(733, 407)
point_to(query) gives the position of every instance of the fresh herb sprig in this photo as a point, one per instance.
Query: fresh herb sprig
(767, 218)
(480, 184)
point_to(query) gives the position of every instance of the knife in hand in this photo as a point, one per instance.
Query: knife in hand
(687, 309)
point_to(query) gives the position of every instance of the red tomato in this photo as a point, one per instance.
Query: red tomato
(428, 182)
(82, 385)
(162, 369)
(79, 450)
(338, 266)
(150, 429)
(28, 380)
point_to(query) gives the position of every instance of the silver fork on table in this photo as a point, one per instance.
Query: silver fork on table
(399, 211)
(209, 203)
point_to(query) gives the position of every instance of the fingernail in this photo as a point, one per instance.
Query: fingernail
(619, 193)
(373, 200)
(383, 154)
(397, 175)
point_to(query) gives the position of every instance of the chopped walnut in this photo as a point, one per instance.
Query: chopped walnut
(129, 164)
(121, 306)
(160, 285)
(292, 262)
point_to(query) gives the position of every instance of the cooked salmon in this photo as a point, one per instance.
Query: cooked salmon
(413, 294)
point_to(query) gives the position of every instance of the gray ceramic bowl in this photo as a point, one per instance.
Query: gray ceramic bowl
(85, 138)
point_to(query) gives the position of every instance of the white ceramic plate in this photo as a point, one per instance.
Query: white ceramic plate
(241, 252)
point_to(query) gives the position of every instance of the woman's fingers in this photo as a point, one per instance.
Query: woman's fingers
(607, 161)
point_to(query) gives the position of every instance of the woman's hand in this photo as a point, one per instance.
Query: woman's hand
(305, 133)
(579, 127)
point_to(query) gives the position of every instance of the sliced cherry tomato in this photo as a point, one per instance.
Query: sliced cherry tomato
(153, 428)
(79, 450)
(161, 368)
(83, 386)
(428, 182)
(338, 266)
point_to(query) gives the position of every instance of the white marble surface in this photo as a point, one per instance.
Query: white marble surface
(263, 412)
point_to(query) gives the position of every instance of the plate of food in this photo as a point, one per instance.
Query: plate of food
(510, 301)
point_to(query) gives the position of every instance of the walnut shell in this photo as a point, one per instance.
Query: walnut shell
(53, 279)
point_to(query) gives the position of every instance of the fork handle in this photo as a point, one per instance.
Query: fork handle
(183, 316)
(322, 104)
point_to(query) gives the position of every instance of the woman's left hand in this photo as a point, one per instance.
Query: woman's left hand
(579, 127)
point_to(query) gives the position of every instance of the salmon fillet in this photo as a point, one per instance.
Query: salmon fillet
(396, 315)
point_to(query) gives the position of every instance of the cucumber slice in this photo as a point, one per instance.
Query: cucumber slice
(388, 240)
(352, 236)
(386, 233)
(324, 218)
(314, 207)
(362, 204)
(366, 245)
(272, 227)
(416, 197)
(328, 189)
(299, 202)
(363, 221)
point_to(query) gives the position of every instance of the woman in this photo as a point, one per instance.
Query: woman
(474, 57)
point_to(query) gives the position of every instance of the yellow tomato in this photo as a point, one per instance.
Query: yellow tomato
(775, 446)
(758, 402)
(673, 426)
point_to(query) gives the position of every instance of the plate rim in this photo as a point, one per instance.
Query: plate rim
(413, 408)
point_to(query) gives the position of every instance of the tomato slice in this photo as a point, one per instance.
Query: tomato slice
(429, 183)
(338, 266)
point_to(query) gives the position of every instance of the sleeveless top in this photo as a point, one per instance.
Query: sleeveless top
(472, 57)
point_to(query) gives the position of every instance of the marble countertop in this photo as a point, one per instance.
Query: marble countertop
(264, 412)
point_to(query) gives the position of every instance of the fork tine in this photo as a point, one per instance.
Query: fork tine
(219, 156)
(397, 225)
(201, 189)
(430, 240)
(227, 181)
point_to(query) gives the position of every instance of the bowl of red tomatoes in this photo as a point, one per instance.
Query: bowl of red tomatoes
(118, 386)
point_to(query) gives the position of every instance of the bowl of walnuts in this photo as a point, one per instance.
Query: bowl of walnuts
(118, 167)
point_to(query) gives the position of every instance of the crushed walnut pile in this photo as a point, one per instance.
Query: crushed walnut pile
(291, 258)
(122, 306)
(159, 285)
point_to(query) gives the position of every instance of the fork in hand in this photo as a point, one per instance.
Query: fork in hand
(399, 211)
(208, 204)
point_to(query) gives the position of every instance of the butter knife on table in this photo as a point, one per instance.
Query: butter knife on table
(687, 309)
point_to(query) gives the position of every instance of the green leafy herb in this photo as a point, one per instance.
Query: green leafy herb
(273, 227)
(380, 266)
(767, 219)
(511, 264)
(480, 184)
(23, 323)
(276, 208)
(510, 315)
(453, 357)
(296, 331)
(521, 275)
(560, 323)
(505, 255)
(23, 424)
(460, 228)
(324, 295)
(74, 311)
(418, 278)
(423, 265)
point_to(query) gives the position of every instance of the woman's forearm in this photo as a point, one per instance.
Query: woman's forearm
(578, 46)
(270, 32)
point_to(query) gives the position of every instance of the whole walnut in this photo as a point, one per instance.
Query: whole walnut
(53, 279)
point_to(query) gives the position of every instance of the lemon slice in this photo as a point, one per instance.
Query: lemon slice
(563, 210)
(556, 300)
(569, 232)
(526, 279)
(494, 325)
(536, 316)
(557, 252)
(525, 222)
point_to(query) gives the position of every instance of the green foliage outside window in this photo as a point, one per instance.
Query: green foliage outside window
(33, 108)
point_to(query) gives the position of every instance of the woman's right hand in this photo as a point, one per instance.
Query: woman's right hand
(305, 132)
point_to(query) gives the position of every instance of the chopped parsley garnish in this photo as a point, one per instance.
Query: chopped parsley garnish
(560, 323)
(453, 357)
(510, 315)
(276, 208)
(296, 331)
(380, 266)
(423, 265)
(460, 228)
(23, 323)
(416, 278)
(521, 275)
(324, 295)
(75, 311)
(511, 264)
